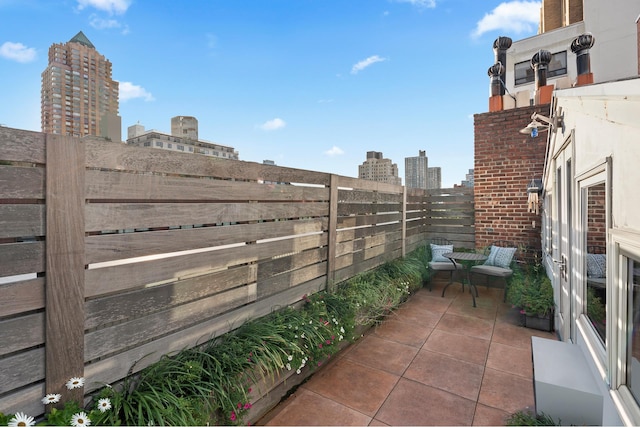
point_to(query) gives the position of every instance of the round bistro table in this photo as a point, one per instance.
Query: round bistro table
(455, 258)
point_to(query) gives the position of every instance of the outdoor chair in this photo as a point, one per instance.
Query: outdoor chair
(597, 267)
(501, 255)
(438, 263)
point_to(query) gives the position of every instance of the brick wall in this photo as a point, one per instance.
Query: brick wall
(505, 163)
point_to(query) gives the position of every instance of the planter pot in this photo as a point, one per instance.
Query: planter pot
(534, 321)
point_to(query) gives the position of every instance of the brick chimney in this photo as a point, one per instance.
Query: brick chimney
(539, 62)
(581, 46)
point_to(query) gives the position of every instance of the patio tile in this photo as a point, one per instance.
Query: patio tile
(413, 403)
(383, 354)
(505, 391)
(414, 311)
(452, 375)
(466, 308)
(306, 408)
(375, 422)
(517, 336)
(359, 387)
(469, 349)
(466, 325)
(488, 416)
(432, 301)
(513, 360)
(402, 332)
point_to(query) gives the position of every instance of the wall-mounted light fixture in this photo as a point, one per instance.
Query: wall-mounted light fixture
(542, 123)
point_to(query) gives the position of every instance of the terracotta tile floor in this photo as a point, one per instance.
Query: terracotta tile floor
(434, 361)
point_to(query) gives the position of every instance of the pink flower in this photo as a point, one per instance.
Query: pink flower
(233, 416)
(328, 341)
(239, 405)
(319, 345)
(247, 405)
(249, 391)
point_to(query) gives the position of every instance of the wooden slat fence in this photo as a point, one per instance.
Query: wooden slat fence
(111, 255)
(452, 215)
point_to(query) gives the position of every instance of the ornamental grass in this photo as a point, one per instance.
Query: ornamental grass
(212, 384)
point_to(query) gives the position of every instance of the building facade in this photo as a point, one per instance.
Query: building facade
(183, 138)
(416, 170)
(434, 178)
(78, 95)
(377, 168)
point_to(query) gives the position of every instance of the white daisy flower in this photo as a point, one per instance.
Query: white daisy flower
(80, 419)
(290, 358)
(21, 420)
(51, 398)
(288, 366)
(341, 329)
(298, 371)
(104, 404)
(75, 382)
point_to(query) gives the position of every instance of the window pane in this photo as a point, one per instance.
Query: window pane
(558, 64)
(596, 259)
(633, 359)
(523, 73)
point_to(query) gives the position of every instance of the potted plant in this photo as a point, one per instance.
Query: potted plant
(531, 291)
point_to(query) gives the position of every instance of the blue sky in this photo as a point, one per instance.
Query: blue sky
(310, 84)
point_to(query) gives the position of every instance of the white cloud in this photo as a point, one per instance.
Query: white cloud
(274, 124)
(117, 7)
(17, 52)
(100, 24)
(365, 63)
(420, 3)
(514, 16)
(130, 91)
(334, 151)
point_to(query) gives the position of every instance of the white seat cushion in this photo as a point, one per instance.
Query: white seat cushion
(491, 270)
(444, 266)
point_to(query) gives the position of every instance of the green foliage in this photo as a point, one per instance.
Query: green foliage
(595, 307)
(528, 418)
(530, 289)
(212, 384)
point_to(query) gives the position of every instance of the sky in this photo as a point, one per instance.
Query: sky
(309, 84)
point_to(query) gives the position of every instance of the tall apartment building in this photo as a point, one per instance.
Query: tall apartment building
(415, 170)
(468, 180)
(377, 168)
(434, 178)
(183, 138)
(78, 95)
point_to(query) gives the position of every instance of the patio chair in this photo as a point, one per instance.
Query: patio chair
(437, 247)
(501, 256)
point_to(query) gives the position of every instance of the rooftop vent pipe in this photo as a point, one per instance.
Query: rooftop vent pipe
(500, 46)
(539, 62)
(495, 72)
(581, 46)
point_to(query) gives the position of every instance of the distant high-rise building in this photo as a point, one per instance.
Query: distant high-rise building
(468, 181)
(78, 95)
(415, 170)
(434, 178)
(183, 138)
(377, 168)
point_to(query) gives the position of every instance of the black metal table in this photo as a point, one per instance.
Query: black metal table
(456, 257)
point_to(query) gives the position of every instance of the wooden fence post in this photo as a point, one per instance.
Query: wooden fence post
(64, 289)
(404, 221)
(332, 238)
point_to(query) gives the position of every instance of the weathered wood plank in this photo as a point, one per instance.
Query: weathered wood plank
(143, 302)
(21, 220)
(358, 233)
(363, 184)
(109, 247)
(359, 196)
(65, 264)
(26, 295)
(21, 146)
(21, 258)
(103, 342)
(356, 265)
(127, 158)
(332, 232)
(345, 209)
(114, 368)
(359, 221)
(290, 279)
(25, 400)
(118, 278)
(450, 221)
(21, 182)
(270, 268)
(22, 332)
(111, 185)
(21, 369)
(117, 216)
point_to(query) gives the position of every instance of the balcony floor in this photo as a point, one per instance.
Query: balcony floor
(434, 361)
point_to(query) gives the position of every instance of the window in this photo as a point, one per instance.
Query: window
(181, 147)
(557, 67)
(633, 318)
(596, 258)
(159, 144)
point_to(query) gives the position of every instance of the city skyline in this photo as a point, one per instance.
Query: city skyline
(311, 85)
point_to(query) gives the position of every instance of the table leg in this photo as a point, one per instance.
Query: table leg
(455, 269)
(471, 287)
